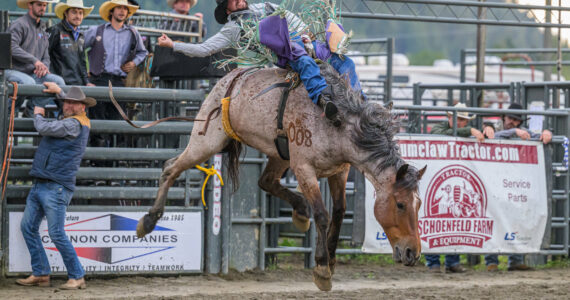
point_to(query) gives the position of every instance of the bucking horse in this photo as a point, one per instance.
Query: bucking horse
(317, 149)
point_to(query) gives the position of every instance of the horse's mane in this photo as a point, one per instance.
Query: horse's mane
(374, 125)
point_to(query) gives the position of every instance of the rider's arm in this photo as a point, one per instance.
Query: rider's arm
(228, 35)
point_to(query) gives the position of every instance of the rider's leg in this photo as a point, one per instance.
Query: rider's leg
(316, 85)
(310, 75)
(345, 65)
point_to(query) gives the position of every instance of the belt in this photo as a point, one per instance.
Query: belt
(108, 75)
(41, 180)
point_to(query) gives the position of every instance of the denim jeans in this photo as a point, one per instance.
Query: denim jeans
(310, 75)
(49, 199)
(450, 260)
(514, 259)
(23, 78)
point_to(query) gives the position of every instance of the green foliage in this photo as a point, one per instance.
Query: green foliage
(425, 57)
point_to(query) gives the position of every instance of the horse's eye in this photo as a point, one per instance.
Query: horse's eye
(400, 205)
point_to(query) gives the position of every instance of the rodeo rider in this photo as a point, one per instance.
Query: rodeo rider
(228, 12)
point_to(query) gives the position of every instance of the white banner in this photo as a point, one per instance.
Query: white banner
(476, 197)
(107, 242)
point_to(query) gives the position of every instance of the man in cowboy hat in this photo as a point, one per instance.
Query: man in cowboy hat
(54, 167)
(66, 41)
(463, 130)
(116, 49)
(512, 128)
(182, 7)
(228, 13)
(30, 58)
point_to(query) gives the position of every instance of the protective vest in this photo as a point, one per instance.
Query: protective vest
(58, 159)
(97, 54)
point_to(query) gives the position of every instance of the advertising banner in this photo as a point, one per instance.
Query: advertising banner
(485, 197)
(106, 242)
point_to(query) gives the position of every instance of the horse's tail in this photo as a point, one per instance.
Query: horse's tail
(234, 151)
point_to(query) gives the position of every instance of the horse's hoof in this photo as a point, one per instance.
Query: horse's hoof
(145, 226)
(322, 278)
(332, 263)
(301, 222)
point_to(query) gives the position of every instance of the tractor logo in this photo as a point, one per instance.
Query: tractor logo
(455, 210)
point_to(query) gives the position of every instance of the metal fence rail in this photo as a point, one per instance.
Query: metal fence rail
(462, 12)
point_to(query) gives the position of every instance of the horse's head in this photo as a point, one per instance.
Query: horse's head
(396, 209)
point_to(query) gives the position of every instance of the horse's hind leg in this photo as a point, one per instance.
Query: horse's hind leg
(199, 149)
(270, 182)
(337, 185)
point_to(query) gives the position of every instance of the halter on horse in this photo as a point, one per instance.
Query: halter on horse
(317, 149)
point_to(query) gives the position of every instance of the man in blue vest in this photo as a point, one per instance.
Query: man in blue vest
(54, 167)
(116, 49)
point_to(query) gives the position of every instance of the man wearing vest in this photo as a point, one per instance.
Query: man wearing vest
(54, 167)
(116, 49)
(30, 58)
(66, 50)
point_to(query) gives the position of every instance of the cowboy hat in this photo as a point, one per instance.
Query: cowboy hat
(515, 116)
(24, 3)
(171, 3)
(76, 94)
(462, 114)
(108, 5)
(220, 12)
(61, 7)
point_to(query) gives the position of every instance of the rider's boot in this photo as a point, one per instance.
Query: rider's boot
(330, 109)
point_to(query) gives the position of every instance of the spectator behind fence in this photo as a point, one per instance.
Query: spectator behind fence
(183, 7)
(66, 43)
(116, 49)
(512, 124)
(30, 58)
(55, 164)
(512, 128)
(463, 130)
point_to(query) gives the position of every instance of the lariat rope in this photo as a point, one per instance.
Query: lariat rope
(9, 142)
(209, 172)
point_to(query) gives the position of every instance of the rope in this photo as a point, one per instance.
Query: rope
(211, 171)
(9, 143)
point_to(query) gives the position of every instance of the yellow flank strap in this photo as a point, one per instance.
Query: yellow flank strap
(211, 171)
(226, 119)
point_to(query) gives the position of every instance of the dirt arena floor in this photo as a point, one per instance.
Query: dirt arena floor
(351, 281)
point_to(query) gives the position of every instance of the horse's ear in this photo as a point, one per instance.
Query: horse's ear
(421, 172)
(402, 172)
(389, 105)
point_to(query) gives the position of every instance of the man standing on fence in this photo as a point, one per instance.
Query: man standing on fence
(29, 45)
(66, 50)
(452, 264)
(182, 7)
(54, 167)
(116, 49)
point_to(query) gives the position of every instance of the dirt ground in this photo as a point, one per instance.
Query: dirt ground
(351, 281)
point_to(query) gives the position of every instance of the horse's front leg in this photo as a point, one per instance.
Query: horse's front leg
(337, 185)
(309, 184)
(270, 182)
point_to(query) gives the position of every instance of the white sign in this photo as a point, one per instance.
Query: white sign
(107, 242)
(476, 197)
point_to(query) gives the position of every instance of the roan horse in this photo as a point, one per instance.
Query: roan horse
(317, 149)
